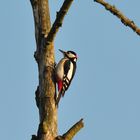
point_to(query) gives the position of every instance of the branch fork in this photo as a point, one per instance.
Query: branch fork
(44, 55)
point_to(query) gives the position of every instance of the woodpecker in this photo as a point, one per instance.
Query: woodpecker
(65, 71)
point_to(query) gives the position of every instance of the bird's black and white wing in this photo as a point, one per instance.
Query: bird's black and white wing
(69, 71)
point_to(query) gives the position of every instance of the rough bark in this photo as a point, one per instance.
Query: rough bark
(126, 21)
(44, 55)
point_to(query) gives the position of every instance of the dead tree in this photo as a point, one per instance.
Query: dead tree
(44, 56)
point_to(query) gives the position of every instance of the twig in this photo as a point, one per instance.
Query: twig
(126, 21)
(58, 21)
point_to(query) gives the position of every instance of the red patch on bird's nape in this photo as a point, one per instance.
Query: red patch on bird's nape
(60, 85)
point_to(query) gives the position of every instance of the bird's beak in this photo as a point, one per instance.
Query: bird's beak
(62, 51)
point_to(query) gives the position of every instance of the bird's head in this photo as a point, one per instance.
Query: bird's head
(69, 54)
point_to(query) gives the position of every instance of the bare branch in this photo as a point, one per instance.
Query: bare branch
(72, 131)
(126, 21)
(58, 22)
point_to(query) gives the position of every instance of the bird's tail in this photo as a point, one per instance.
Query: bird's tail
(60, 94)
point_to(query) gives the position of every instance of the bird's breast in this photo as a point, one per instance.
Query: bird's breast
(60, 69)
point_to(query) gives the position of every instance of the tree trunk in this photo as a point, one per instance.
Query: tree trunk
(44, 55)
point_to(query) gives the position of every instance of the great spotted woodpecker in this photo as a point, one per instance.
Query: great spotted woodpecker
(65, 71)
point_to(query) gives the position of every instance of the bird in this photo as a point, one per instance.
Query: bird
(65, 71)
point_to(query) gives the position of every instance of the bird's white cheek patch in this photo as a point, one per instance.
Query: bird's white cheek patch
(75, 59)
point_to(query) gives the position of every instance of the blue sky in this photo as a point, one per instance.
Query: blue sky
(106, 88)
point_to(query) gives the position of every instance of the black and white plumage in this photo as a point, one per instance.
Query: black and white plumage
(65, 71)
